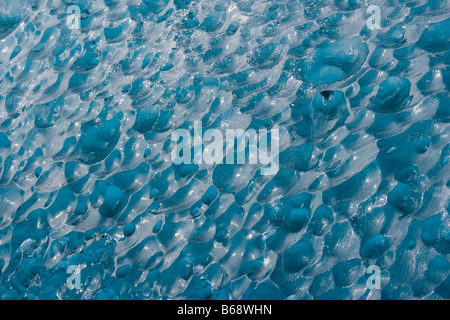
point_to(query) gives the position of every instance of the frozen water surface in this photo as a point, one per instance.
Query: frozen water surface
(91, 92)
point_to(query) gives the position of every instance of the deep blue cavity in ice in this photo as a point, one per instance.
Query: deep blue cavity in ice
(87, 179)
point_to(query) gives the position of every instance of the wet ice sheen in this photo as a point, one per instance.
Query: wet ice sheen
(86, 176)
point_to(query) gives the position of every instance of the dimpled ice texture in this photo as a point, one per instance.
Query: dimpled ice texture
(89, 100)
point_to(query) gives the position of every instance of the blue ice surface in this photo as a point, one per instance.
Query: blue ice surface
(87, 179)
